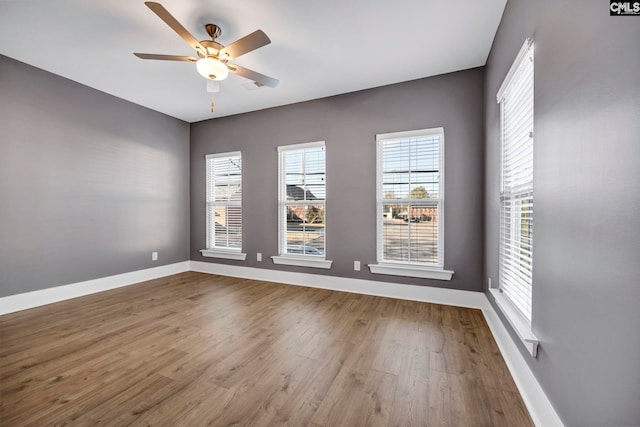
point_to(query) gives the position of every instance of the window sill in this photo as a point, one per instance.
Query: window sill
(411, 271)
(218, 253)
(517, 321)
(302, 261)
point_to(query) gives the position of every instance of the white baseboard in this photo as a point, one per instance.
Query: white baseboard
(358, 286)
(534, 397)
(18, 302)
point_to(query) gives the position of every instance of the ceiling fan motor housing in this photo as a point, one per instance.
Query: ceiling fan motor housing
(212, 47)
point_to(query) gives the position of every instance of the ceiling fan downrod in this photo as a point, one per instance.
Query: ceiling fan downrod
(213, 30)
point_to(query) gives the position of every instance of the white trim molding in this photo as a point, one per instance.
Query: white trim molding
(411, 271)
(540, 408)
(219, 253)
(438, 202)
(301, 146)
(219, 175)
(307, 261)
(219, 155)
(517, 321)
(284, 202)
(528, 43)
(24, 301)
(431, 294)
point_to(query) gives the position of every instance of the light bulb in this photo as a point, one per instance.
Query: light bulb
(211, 68)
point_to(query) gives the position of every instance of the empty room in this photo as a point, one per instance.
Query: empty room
(337, 213)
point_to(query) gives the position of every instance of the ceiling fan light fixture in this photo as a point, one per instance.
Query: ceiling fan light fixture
(212, 69)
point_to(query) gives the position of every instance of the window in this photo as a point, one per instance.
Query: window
(224, 206)
(410, 204)
(301, 205)
(516, 193)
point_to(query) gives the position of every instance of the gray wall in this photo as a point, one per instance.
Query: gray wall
(587, 202)
(90, 184)
(348, 123)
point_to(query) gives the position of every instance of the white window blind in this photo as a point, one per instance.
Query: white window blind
(410, 195)
(302, 196)
(224, 201)
(516, 197)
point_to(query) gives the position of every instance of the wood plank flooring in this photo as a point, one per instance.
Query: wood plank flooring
(196, 349)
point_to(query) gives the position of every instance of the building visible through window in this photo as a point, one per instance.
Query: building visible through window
(224, 201)
(302, 199)
(410, 194)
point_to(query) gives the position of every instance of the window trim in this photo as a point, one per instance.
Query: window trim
(520, 323)
(300, 260)
(528, 44)
(223, 252)
(510, 310)
(410, 270)
(407, 268)
(313, 261)
(516, 319)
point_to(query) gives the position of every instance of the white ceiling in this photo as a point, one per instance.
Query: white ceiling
(318, 47)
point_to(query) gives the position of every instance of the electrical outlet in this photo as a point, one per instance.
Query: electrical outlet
(489, 282)
(259, 256)
(356, 265)
(154, 256)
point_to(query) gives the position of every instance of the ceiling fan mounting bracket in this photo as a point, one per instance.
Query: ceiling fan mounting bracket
(213, 30)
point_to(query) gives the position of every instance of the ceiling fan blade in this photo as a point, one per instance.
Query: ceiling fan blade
(246, 44)
(252, 75)
(168, 19)
(165, 57)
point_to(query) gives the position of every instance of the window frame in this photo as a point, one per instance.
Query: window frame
(410, 268)
(509, 197)
(519, 320)
(211, 250)
(301, 260)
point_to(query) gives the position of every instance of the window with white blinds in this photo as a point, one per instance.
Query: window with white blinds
(516, 195)
(410, 197)
(302, 196)
(224, 201)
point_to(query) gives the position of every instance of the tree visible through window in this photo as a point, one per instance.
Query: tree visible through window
(410, 194)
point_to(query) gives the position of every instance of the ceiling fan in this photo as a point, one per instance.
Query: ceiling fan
(213, 58)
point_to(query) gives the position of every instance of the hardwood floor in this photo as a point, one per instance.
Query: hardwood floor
(195, 349)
